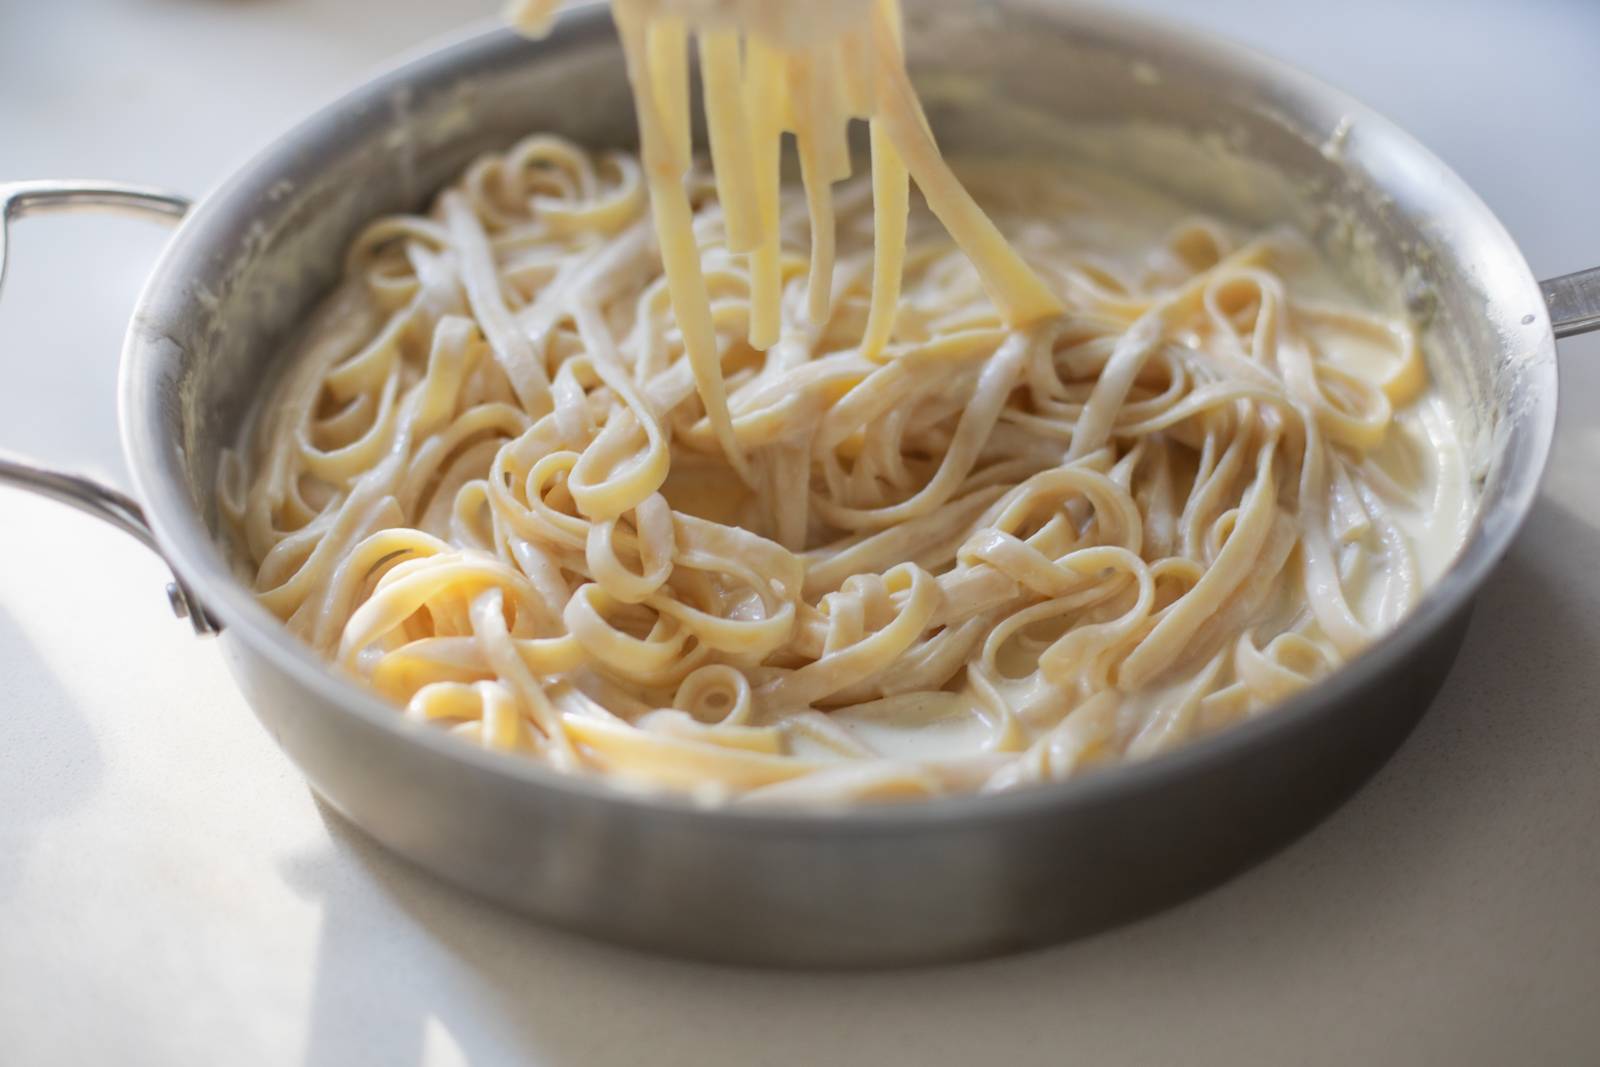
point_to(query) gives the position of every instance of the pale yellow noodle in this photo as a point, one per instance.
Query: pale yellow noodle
(592, 465)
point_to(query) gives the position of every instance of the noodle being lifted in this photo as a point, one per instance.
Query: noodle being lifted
(767, 71)
(593, 464)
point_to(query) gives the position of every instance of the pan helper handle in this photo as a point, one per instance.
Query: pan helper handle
(17, 200)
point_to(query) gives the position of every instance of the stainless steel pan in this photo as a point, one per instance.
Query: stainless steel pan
(953, 878)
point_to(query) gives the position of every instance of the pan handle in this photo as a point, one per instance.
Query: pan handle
(19, 199)
(1574, 301)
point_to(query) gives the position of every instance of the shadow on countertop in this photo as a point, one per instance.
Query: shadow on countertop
(50, 763)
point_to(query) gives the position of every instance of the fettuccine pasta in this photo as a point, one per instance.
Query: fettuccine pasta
(685, 480)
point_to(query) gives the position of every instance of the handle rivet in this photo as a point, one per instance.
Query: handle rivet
(179, 602)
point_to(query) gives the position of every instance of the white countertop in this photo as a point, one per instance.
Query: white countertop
(170, 893)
